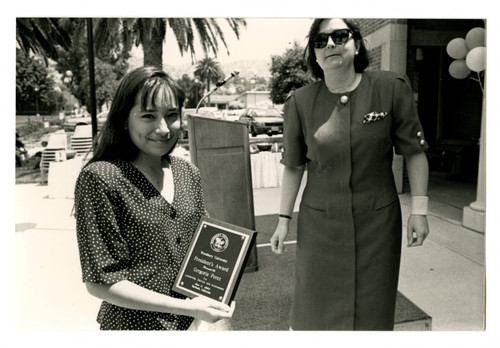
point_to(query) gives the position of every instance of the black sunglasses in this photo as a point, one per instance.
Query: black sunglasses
(339, 37)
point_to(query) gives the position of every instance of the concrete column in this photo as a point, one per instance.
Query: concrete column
(392, 39)
(474, 215)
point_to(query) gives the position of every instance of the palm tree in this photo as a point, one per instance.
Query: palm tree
(43, 35)
(151, 33)
(208, 70)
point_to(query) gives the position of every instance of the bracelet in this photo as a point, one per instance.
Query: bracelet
(285, 216)
(419, 205)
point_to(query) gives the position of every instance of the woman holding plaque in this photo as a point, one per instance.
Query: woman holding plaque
(343, 129)
(137, 207)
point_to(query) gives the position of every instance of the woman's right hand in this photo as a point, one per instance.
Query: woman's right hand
(279, 236)
(210, 310)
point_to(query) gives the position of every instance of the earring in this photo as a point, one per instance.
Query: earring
(357, 52)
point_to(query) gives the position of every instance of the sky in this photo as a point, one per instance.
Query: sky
(261, 38)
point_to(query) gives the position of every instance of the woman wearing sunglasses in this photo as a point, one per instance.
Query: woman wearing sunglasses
(344, 129)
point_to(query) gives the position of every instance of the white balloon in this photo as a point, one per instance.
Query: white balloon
(475, 38)
(456, 48)
(476, 59)
(458, 69)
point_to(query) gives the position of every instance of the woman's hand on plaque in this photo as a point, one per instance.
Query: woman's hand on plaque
(210, 310)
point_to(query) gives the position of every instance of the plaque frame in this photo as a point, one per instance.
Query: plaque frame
(210, 263)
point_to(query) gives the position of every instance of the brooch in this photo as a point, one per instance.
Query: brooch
(374, 116)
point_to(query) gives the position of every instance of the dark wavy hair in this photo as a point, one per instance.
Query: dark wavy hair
(361, 60)
(114, 140)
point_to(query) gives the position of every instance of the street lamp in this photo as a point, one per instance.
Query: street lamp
(68, 77)
(196, 84)
(57, 95)
(67, 80)
(252, 82)
(36, 101)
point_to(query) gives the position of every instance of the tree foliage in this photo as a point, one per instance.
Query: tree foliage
(208, 70)
(110, 63)
(288, 71)
(65, 41)
(192, 88)
(31, 73)
(106, 82)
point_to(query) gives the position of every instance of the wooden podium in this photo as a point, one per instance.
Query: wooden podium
(220, 149)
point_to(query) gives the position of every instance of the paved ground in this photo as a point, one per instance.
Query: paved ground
(445, 277)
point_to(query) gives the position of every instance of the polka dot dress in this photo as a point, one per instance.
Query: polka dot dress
(127, 230)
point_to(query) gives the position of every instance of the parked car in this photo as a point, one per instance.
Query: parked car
(72, 121)
(233, 115)
(263, 121)
(210, 112)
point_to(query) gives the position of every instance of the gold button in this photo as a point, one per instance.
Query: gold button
(419, 134)
(422, 142)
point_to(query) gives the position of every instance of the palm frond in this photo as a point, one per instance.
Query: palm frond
(41, 36)
(235, 24)
(201, 29)
(218, 32)
(180, 32)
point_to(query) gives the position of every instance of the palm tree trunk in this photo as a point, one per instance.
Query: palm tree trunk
(207, 101)
(153, 49)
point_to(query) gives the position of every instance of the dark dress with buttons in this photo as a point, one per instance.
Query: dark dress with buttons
(349, 229)
(127, 231)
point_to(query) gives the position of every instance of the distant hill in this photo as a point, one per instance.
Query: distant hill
(246, 68)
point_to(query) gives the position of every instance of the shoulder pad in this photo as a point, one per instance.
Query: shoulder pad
(291, 93)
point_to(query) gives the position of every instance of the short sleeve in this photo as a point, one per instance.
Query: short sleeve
(408, 135)
(104, 254)
(294, 146)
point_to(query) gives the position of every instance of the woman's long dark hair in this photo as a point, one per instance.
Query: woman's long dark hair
(361, 60)
(114, 140)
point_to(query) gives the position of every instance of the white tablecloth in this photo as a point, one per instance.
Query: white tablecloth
(62, 178)
(266, 169)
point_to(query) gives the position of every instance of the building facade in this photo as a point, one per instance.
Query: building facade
(450, 110)
(254, 98)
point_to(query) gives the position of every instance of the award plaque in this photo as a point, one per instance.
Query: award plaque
(215, 261)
